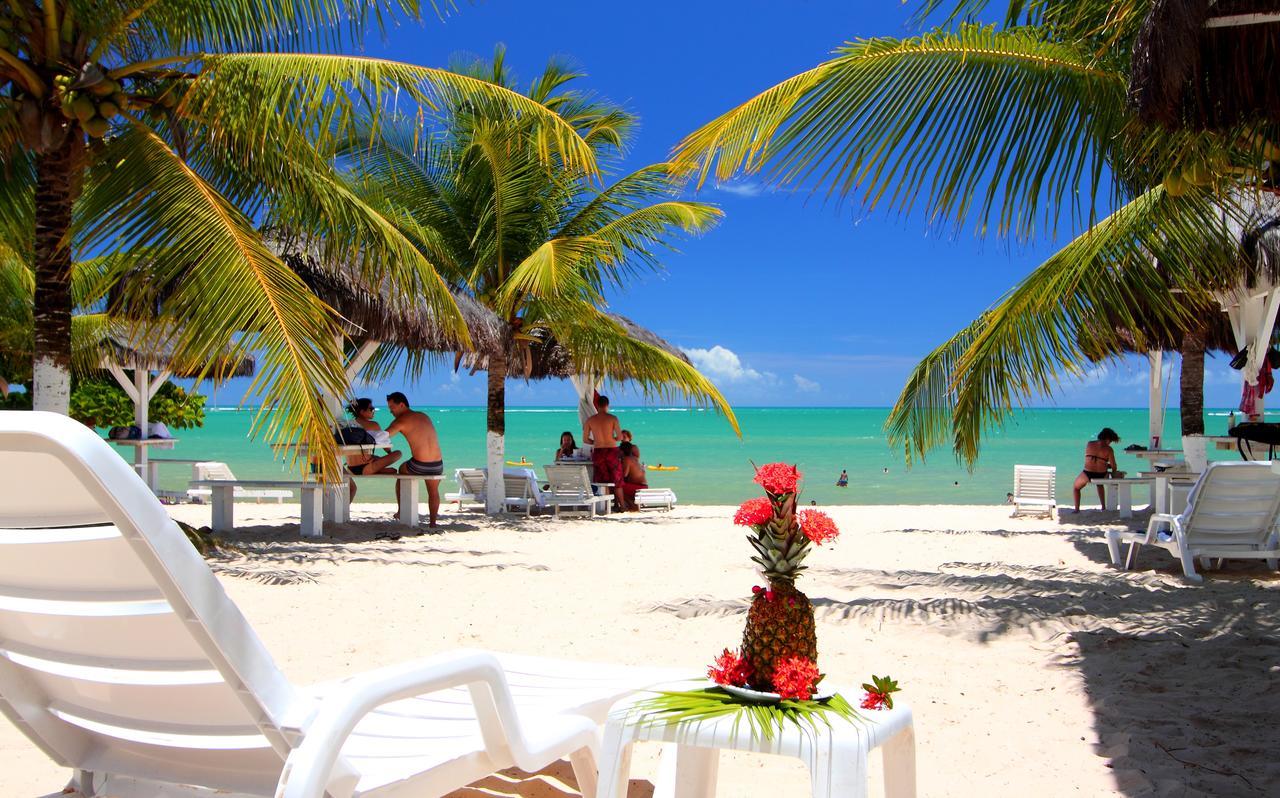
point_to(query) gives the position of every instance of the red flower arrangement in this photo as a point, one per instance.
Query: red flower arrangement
(730, 668)
(778, 478)
(817, 526)
(795, 678)
(879, 693)
(754, 512)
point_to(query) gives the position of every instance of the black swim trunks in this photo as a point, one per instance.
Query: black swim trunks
(435, 468)
(1095, 474)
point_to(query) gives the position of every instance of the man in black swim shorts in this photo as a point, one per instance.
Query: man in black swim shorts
(425, 459)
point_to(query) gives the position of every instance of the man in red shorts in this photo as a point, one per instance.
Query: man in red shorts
(603, 432)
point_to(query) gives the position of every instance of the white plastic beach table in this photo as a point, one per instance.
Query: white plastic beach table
(1118, 493)
(141, 454)
(836, 756)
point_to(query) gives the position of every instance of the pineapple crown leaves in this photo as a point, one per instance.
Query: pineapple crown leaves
(883, 686)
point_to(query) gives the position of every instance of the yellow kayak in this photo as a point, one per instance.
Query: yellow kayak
(522, 462)
(663, 468)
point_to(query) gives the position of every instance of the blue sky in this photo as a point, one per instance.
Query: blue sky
(863, 295)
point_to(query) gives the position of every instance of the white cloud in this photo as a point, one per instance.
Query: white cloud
(724, 365)
(804, 385)
(741, 188)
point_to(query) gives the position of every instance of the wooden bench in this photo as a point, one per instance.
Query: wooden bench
(1118, 492)
(222, 498)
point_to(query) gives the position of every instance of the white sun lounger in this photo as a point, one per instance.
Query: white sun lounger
(1231, 513)
(656, 498)
(570, 486)
(222, 472)
(122, 659)
(1035, 490)
(470, 486)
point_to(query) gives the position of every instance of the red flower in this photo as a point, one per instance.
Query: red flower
(754, 512)
(874, 701)
(730, 668)
(778, 478)
(795, 677)
(817, 526)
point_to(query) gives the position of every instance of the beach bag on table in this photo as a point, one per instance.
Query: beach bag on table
(353, 436)
(1256, 432)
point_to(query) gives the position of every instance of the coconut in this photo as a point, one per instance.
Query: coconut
(97, 127)
(83, 108)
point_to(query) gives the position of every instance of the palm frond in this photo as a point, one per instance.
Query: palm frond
(1148, 266)
(224, 284)
(1005, 126)
(332, 95)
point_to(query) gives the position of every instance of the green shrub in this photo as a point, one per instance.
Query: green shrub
(104, 404)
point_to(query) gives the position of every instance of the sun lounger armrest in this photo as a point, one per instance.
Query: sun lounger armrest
(1159, 520)
(307, 771)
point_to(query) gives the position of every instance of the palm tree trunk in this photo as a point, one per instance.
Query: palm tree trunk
(495, 438)
(1191, 385)
(57, 186)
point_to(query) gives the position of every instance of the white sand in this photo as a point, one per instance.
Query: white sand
(1033, 667)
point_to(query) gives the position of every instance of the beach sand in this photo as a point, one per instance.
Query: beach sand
(1033, 667)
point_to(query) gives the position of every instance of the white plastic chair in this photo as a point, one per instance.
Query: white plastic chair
(216, 470)
(122, 658)
(1035, 490)
(1231, 513)
(570, 486)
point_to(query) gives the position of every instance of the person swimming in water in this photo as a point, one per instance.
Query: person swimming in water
(1099, 463)
(842, 481)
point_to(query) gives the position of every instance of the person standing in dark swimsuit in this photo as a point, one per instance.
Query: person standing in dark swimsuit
(1099, 462)
(425, 459)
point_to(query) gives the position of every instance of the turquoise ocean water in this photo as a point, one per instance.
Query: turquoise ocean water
(714, 463)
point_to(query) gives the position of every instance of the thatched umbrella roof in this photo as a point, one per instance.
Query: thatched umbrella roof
(372, 315)
(1206, 64)
(152, 347)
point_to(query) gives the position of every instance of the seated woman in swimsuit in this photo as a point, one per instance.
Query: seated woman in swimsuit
(365, 463)
(1099, 462)
(568, 447)
(633, 478)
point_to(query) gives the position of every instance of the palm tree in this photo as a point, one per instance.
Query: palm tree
(1017, 128)
(160, 129)
(536, 241)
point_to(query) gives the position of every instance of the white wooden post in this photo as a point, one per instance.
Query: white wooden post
(141, 410)
(1155, 400)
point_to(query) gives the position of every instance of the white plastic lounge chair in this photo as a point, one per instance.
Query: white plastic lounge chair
(221, 471)
(122, 658)
(1231, 513)
(1035, 490)
(570, 486)
(659, 498)
(470, 486)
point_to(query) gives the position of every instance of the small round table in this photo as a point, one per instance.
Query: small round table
(836, 755)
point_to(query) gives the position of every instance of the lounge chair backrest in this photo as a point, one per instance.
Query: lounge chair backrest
(119, 650)
(1233, 502)
(1034, 482)
(213, 470)
(516, 487)
(470, 481)
(573, 481)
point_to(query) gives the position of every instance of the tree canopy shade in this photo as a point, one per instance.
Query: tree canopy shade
(536, 241)
(157, 131)
(1017, 126)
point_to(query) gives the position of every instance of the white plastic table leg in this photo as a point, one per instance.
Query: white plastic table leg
(223, 499)
(1108, 496)
(615, 762)
(691, 773)
(312, 516)
(900, 764)
(153, 476)
(409, 502)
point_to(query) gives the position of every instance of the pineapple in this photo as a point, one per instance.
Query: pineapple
(780, 622)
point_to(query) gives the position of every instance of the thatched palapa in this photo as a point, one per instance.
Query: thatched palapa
(1200, 64)
(151, 347)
